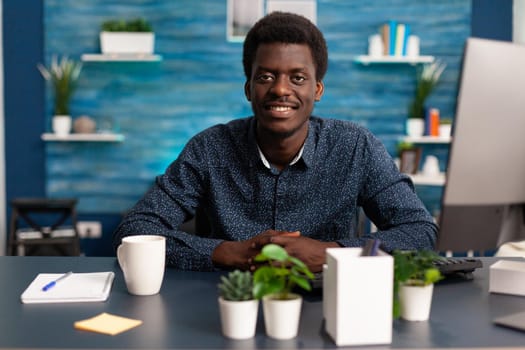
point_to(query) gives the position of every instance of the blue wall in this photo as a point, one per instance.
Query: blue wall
(158, 106)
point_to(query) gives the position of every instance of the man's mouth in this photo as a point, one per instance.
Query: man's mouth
(280, 108)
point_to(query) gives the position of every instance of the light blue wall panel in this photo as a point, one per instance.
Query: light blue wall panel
(199, 82)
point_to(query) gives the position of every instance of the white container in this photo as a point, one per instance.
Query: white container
(415, 127)
(281, 317)
(415, 302)
(412, 46)
(507, 277)
(61, 125)
(358, 297)
(238, 318)
(127, 42)
(375, 45)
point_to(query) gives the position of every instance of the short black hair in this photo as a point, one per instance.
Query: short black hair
(287, 28)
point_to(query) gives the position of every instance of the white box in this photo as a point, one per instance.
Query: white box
(127, 42)
(358, 297)
(507, 277)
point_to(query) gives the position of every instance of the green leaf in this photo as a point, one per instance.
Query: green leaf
(275, 252)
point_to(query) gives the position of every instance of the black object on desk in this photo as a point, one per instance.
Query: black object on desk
(37, 227)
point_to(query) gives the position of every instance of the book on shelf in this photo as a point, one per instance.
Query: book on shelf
(395, 38)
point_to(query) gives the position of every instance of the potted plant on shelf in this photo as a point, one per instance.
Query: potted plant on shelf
(414, 278)
(426, 80)
(273, 281)
(237, 306)
(445, 127)
(63, 75)
(134, 37)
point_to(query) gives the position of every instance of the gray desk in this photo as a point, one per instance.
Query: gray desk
(185, 314)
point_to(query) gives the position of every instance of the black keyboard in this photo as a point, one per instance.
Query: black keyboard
(450, 268)
(457, 267)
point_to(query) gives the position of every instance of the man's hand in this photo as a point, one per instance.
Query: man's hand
(310, 251)
(241, 254)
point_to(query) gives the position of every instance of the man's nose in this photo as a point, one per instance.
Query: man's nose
(281, 86)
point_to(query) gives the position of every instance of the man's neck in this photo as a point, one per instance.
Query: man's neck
(280, 151)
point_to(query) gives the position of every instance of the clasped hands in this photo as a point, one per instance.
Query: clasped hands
(241, 254)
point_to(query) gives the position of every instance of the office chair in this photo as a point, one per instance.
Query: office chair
(38, 227)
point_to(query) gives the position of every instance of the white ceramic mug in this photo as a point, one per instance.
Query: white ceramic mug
(142, 259)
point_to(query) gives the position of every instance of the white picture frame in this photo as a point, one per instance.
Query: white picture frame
(241, 16)
(306, 8)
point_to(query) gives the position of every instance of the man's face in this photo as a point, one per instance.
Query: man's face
(283, 88)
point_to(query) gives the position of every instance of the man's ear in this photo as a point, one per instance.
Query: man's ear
(319, 90)
(247, 91)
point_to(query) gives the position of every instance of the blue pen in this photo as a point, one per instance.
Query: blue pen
(52, 283)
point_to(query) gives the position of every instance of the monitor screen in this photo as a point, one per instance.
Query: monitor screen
(485, 184)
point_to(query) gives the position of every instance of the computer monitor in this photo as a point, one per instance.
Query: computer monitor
(484, 194)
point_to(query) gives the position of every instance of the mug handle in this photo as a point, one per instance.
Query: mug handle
(120, 257)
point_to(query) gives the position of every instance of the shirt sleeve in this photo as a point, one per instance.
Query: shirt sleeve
(171, 200)
(389, 200)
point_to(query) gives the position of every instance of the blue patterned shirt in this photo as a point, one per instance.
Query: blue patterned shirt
(343, 168)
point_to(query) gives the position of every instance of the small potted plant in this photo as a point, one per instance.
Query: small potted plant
(426, 80)
(237, 306)
(63, 75)
(445, 127)
(414, 278)
(127, 37)
(273, 282)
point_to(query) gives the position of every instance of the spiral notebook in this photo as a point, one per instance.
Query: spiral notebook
(76, 288)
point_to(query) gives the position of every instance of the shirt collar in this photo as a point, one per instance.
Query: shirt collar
(306, 152)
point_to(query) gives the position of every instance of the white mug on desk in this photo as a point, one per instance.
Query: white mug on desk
(142, 260)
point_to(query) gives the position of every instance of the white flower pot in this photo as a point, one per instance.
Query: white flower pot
(445, 130)
(238, 318)
(415, 302)
(415, 127)
(127, 42)
(61, 125)
(281, 317)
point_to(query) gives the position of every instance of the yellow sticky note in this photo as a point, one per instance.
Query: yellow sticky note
(107, 324)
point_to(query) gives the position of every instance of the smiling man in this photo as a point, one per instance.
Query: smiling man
(282, 175)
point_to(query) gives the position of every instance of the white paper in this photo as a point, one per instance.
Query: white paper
(78, 287)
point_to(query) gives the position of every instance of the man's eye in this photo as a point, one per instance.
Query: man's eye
(299, 78)
(264, 77)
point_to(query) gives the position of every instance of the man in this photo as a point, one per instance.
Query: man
(283, 175)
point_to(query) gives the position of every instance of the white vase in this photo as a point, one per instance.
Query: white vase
(445, 130)
(281, 317)
(415, 127)
(61, 125)
(415, 302)
(127, 42)
(238, 318)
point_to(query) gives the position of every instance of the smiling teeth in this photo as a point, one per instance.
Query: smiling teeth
(280, 109)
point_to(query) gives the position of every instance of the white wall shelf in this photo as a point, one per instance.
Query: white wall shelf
(422, 179)
(95, 137)
(428, 139)
(364, 59)
(95, 57)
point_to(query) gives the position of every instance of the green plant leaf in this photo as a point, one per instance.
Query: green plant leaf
(275, 252)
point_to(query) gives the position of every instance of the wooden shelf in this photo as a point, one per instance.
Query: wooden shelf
(99, 137)
(364, 59)
(428, 139)
(421, 179)
(93, 57)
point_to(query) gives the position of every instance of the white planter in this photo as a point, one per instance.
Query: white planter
(415, 302)
(415, 127)
(281, 317)
(61, 125)
(127, 42)
(238, 318)
(445, 130)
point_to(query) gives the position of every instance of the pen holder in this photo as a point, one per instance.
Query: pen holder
(358, 297)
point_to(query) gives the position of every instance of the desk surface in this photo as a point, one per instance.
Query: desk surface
(185, 314)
